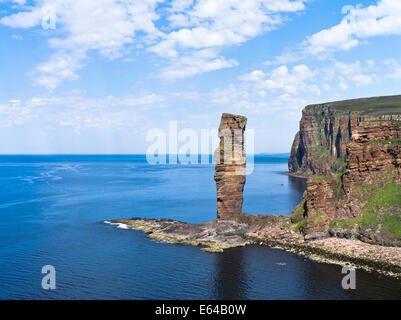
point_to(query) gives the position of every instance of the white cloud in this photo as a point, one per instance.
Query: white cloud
(210, 24)
(106, 26)
(381, 19)
(256, 75)
(115, 28)
(326, 87)
(229, 94)
(289, 56)
(351, 72)
(342, 84)
(289, 81)
(361, 79)
(258, 92)
(395, 69)
(79, 112)
(20, 2)
(283, 79)
(200, 62)
(25, 19)
(17, 37)
(58, 69)
(13, 113)
(283, 86)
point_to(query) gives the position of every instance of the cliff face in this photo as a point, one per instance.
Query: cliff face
(325, 130)
(320, 144)
(362, 198)
(373, 161)
(230, 167)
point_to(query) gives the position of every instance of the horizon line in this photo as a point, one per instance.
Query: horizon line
(122, 154)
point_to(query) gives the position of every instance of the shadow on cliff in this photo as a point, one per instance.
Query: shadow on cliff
(297, 184)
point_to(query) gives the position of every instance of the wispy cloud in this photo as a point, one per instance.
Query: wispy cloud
(199, 62)
(212, 26)
(78, 111)
(395, 69)
(356, 73)
(290, 81)
(191, 36)
(361, 23)
(106, 26)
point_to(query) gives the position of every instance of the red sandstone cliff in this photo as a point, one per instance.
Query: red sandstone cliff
(325, 130)
(363, 198)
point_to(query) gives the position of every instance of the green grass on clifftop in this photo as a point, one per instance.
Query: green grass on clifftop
(367, 106)
(382, 208)
(388, 196)
(298, 213)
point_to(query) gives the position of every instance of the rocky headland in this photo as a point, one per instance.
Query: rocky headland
(351, 209)
(325, 130)
(354, 170)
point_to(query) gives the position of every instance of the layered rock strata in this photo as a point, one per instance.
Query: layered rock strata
(373, 161)
(325, 130)
(363, 198)
(360, 201)
(230, 167)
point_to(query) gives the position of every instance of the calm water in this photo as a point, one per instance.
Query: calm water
(52, 210)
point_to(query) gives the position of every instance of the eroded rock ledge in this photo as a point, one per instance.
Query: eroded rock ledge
(273, 231)
(213, 236)
(358, 199)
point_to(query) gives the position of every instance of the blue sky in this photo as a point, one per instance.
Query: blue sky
(97, 75)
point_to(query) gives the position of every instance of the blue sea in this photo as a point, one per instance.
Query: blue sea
(53, 208)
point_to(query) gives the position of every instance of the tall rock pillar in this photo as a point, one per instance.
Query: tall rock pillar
(230, 167)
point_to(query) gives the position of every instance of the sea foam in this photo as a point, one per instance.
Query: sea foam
(119, 225)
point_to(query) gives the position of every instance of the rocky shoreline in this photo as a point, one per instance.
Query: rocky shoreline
(351, 153)
(273, 231)
(213, 236)
(295, 175)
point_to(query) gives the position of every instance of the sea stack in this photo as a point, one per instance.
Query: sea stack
(230, 167)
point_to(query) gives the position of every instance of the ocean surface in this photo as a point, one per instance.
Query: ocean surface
(52, 211)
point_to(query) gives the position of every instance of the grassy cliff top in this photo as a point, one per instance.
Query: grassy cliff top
(368, 106)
